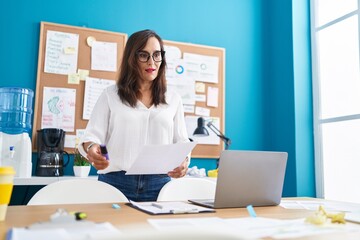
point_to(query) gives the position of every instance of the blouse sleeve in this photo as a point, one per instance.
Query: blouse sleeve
(180, 132)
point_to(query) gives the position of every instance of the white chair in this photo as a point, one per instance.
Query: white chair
(182, 189)
(77, 191)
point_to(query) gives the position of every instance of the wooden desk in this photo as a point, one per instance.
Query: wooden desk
(126, 217)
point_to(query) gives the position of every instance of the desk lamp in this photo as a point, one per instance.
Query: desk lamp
(201, 131)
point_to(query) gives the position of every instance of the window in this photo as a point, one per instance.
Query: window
(336, 77)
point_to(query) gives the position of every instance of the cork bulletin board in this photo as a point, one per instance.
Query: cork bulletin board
(55, 80)
(46, 79)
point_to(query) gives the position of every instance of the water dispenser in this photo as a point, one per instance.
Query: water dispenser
(15, 126)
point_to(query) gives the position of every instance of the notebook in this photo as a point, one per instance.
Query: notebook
(248, 178)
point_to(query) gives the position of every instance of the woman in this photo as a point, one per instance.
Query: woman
(137, 111)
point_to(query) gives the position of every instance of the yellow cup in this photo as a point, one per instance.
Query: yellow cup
(6, 187)
(213, 173)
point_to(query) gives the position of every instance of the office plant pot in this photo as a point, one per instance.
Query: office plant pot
(81, 171)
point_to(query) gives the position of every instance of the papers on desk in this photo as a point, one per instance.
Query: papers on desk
(352, 210)
(63, 226)
(79, 231)
(169, 207)
(163, 158)
(252, 227)
(331, 206)
(353, 217)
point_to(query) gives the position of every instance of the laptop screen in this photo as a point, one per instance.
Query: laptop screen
(249, 178)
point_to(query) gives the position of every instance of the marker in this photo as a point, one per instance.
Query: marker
(79, 215)
(251, 211)
(104, 151)
(115, 206)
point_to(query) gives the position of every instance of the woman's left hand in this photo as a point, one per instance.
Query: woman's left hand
(181, 170)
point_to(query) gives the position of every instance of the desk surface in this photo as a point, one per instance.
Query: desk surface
(126, 217)
(45, 180)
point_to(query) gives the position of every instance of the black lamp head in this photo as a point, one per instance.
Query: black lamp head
(201, 131)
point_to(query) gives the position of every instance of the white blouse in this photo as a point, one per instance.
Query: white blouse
(125, 130)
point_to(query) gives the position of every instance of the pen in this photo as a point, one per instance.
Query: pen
(157, 205)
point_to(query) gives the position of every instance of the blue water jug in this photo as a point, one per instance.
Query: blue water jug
(16, 110)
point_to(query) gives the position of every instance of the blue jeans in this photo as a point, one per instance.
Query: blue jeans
(138, 188)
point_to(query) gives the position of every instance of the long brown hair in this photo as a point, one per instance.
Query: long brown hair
(128, 83)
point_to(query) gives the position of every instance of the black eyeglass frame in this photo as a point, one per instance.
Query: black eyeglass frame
(152, 55)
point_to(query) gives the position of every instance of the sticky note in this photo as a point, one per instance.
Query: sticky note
(83, 73)
(69, 50)
(200, 87)
(74, 78)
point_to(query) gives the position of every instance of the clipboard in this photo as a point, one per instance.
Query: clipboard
(157, 208)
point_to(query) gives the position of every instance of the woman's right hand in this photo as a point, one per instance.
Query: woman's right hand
(97, 160)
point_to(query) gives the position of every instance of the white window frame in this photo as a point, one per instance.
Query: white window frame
(318, 141)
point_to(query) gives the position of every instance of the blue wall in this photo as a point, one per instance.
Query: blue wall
(288, 91)
(262, 97)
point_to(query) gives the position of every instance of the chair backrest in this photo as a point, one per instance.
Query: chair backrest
(77, 191)
(186, 188)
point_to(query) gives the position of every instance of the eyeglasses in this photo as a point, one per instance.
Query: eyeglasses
(144, 56)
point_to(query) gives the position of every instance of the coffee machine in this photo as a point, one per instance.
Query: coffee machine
(50, 145)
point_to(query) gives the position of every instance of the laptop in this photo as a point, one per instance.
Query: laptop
(248, 178)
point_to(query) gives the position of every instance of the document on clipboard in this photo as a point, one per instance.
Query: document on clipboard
(163, 158)
(169, 207)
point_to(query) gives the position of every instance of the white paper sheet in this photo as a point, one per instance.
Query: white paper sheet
(61, 52)
(58, 108)
(104, 56)
(172, 52)
(189, 108)
(314, 205)
(93, 89)
(70, 141)
(185, 88)
(213, 97)
(160, 159)
(201, 111)
(255, 227)
(67, 232)
(202, 68)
